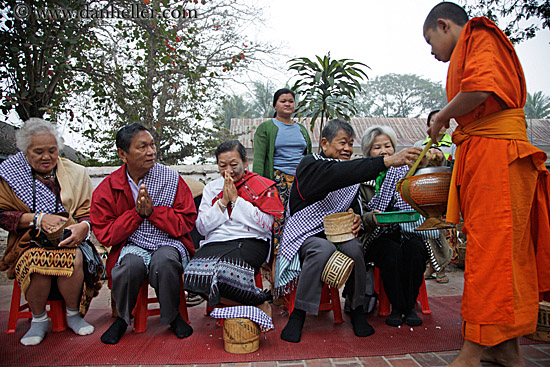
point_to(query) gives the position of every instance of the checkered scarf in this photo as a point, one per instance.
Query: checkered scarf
(162, 184)
(17, 172)
(388, 191)
(299, 227)
(382, 200)
(249, 312)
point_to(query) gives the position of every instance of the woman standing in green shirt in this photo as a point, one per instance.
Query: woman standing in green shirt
(279, 145)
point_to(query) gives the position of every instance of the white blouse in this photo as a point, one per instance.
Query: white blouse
(246, 220)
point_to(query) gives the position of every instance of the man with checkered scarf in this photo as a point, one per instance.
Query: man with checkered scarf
(326, 183)
(144, 212)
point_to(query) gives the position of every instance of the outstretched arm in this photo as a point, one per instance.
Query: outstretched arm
(461, 104)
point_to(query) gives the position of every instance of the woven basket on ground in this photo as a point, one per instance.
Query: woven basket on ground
(241, 335)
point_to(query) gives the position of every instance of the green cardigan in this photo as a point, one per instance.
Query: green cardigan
(264, 146)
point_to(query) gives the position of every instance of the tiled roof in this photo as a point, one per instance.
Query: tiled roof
(408, 130)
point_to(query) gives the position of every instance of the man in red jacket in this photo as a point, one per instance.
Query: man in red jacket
(144, 211)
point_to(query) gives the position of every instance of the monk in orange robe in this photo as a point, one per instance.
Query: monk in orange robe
(500, 185)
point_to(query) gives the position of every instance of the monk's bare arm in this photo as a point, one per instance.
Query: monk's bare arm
(461, 104)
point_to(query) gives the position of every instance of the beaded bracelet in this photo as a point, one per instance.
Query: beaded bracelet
(35, 218)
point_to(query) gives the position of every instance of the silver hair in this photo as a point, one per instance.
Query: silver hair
(372, 133)
(33, 127)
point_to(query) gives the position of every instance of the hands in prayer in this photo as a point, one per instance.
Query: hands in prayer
(229, 190)
(144, 203)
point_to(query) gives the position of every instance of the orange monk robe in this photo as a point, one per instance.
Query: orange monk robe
(501, 190)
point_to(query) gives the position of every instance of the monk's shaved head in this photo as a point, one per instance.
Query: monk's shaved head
(446, 10)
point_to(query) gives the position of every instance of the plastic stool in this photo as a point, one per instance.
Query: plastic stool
(330, 301)
(57, 312)
(384, 305)
(142, 312)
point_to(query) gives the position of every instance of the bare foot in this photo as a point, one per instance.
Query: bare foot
(506, 353)
(469, 356)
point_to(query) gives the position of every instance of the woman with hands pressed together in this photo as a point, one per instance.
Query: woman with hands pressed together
(235, 217)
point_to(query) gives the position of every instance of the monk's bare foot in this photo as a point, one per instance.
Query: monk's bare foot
(506, 353)
(469, 356)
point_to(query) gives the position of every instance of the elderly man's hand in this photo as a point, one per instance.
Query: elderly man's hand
(144, 203)
(405, 157)
(356, 226)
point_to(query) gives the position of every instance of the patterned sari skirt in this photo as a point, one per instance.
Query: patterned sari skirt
(226, 270)
(53, 263)
(283, 183)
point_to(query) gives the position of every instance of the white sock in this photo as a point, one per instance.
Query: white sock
(77, 323)
(37, 331)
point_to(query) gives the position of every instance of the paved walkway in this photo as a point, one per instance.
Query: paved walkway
(534, 355)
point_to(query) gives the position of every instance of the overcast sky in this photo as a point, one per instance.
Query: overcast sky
(385, 35)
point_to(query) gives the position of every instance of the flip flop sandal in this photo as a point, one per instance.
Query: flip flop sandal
(429, 276)
(442, 279)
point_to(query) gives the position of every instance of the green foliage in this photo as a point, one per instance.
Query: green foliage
(262, 99)
(234, 107)
(38, 54)
(521, 16)
(327, 87)
(257, 103)
(537, 106)
(399, 95)
(162, 72)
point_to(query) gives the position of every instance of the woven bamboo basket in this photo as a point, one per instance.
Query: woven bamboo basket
(241, 336)
(338, 227)
(543, 323)
(337, 270)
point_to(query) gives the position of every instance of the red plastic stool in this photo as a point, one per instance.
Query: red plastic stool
(330, 301)
(142, 312)
(257, 280)
(384, 305)
(57, 312)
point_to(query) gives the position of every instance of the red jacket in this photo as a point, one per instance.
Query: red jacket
(114, 217)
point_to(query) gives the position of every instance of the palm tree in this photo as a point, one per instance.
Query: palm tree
(327, 87)
(262, 98)
(537, 106)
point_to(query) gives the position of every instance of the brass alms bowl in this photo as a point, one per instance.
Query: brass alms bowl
(427, 192)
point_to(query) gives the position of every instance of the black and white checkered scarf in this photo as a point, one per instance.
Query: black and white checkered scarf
(17, 172)
(162, 184)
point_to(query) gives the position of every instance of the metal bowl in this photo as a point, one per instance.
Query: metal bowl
(438, 169)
